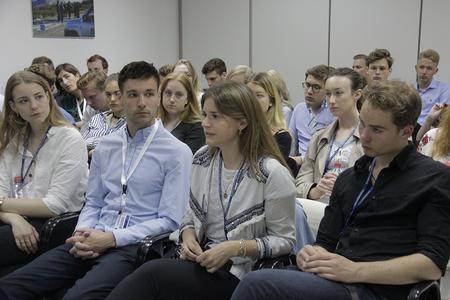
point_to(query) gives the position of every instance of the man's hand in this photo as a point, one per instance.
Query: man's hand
(328, 265)
(90, 243)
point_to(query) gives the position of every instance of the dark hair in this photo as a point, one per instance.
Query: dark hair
(166, 70)
(357, 82)
(43, 70)
(320, 72)
(43, 60)
(99, 57)
(361, 56)
(137, 70)
(214, 64)
(68, 68)
(378, 54)
(397, 97)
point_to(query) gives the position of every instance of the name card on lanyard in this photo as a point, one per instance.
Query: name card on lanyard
(123, 219)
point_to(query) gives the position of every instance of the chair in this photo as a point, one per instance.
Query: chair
(57, 229)
(153, 247)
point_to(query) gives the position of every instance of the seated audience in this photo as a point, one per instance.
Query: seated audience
(72, 99)
(186, 67)
(97, 63)
(44, 60)
(43, 167)
(386, 226)
(240, 74)
(215, 71)
(269, 98)
(109, 121)
(179, 110)
(131, 194)
(241, 206)
(337, 146)
(311, 115)
(436, 142)
(278, 80)
(380, 64)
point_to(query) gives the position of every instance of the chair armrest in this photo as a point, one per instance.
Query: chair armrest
(428, 290)
(280, 262)
(57, 229)
(153, 247)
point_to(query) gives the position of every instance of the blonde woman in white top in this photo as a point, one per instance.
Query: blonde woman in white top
(43, 162)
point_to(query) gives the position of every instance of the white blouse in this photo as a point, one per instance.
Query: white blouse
(59, 174)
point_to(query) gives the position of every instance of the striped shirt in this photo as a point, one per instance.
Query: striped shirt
(99, 126)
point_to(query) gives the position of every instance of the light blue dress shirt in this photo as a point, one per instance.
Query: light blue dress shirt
(436, 92)
(157, 193)
(304, 123)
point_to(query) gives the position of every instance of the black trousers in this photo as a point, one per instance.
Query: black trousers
(57, 269)
(175, 279)
(11, 257)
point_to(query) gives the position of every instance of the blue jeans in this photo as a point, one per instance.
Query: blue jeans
(296, 285)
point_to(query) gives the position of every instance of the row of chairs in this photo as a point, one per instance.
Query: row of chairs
(57, 229)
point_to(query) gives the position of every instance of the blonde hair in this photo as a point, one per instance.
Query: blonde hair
(191, 113)
(12, 124)
(240, 70)
(238, 102)
(194, 77)
(282, 87)
(431, 55)
(441, 146)
(275, 116)
(95, 77)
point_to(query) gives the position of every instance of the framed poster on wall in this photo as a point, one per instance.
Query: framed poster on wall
(63, 18)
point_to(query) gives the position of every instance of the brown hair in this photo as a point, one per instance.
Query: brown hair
(194, 77)
(319, 72)
(237, 101)
(100, 58)
(378, 54)
(97, 78)
(397, 97)
(191, 114)
(13, 125)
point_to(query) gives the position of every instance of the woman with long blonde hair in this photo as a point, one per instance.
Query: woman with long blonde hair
(43, 167)
(185, 66)
(179, 110)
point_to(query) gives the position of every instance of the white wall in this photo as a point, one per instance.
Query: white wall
(361, 26)
(215, 28)
(125, 31)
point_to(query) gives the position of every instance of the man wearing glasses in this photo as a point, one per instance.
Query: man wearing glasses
(311, 115)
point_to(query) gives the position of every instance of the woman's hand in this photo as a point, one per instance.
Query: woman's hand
(216, 257)
(326, 183)
(25, 234)
(190, 248)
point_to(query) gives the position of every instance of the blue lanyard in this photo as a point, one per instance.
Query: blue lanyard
(331, 156)
(236, 181)
(362, 196)
(33, 159)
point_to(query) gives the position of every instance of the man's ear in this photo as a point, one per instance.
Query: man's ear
(407, 131)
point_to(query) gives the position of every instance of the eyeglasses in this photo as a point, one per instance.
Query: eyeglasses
(315, 87)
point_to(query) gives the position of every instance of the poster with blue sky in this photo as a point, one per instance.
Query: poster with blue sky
(63, 18)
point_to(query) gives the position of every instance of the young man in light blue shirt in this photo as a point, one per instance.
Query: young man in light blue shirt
(138, 186)
(431, 90)
(311, 115)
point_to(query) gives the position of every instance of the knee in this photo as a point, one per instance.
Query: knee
(252, 286)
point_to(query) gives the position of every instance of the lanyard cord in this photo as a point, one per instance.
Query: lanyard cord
(331, 156)
(33, 159)
(124, 178)
(236, 182)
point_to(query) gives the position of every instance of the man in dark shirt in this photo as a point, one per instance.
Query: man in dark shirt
(386, 226)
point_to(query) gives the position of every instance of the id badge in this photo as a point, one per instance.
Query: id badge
(122, 221)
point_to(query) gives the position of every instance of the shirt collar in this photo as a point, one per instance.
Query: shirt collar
(141, 134)
(400, 160)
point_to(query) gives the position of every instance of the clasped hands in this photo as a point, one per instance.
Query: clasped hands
(89, 243)
(211, 259)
